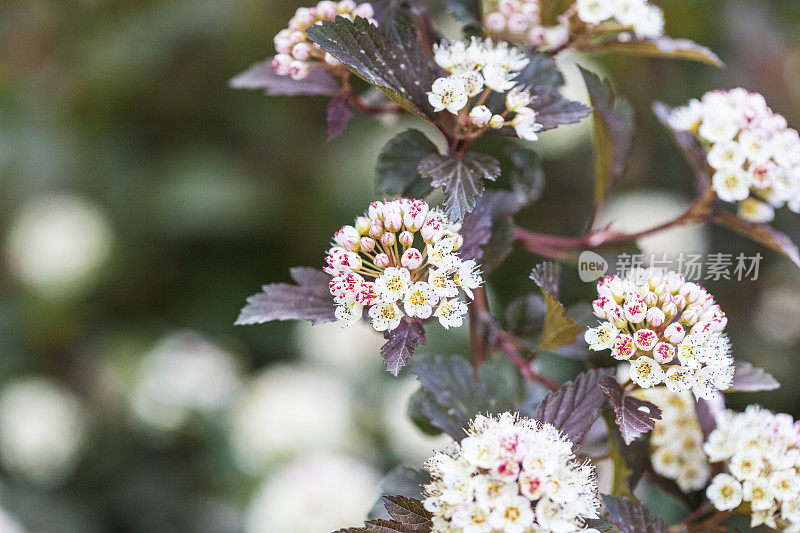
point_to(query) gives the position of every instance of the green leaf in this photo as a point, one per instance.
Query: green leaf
(632, 517)
(559, 330)
(454, 396)
(763, 234)
(393, 62)
(461, 179)
(665, 47)
(396, 170)
(613, 134)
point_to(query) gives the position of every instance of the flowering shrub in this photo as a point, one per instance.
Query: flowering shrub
(754, 154)
(510, 474)
(419, 255)
(761, 453)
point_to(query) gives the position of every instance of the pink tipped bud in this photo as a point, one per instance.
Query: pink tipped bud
(650, 299)
(301, 51)
(480, 116)
(679, 301)
(296, 37)
(346, 6)
(367, 244)
(376, 229)
(507, 7)
(298, 70)
(655, 317)
(382, 261)
(691, 315)
(674, 333)
(495, 22)
(347, 237)
(392, 217)
(388, 239)
(375, 210)
(497, 122)
(326, 10)
(412, 259)
(690, 291)
(537, 35)
(362, 225)
(517, 23)
(280, 64)
(530, 9)
(406, 238)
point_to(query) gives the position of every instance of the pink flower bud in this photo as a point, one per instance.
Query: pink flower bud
(367, 244)
(406, 238)
(298, 70)
(664, 352)
(690, 291)
(346, 6)
(507, 7)
(679, 301)
(691, 315)
(382, 261)
(414, 213)
(480, 116)
(674, 333)
(517, 23)
(388, 239)
(347, 237)
(303, 18)
(280, 64)
(301, 51)
(296, 37)
(392, 217)
(375, 210)
(362, 225)
(376, 229)
(326, 10)
(670, 310)
(537, 35)
(495, 22)
(530, 9)
(650, 299)
(615, 314)
(655, 317)
(412, 259)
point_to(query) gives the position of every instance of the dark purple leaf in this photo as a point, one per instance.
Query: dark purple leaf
(262, 76)
(339, 114)
(400, 345)
(452, 396)
(688, 145)
(707, 411)
(546, 276)
(392, 60)
(310, 299)
(761, 233)
(525, 314)
(749, 378)
(552, 109)
(396, 169)
(385, 526)
(461, 179)
(666, 47)
(541, 71)
(575, 406)
(632, 517)
(633, 416)
(488, 228)
(614, 130)
(408, 511)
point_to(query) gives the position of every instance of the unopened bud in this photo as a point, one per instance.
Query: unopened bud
(301, 51)
(655, 317)
(362, 225)
(298, 70)
(480, 116)
(332, 61)
(388, 239)
(376, 229)
(674, 333)
(364, 11)
(497, 122)
(406, 238)
(382, 261)
(367, 244)
(326, 10)
(412, 259)
(280, 64)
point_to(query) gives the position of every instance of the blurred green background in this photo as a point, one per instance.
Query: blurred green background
(141, 201)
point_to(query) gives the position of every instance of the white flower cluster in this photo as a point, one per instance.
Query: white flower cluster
(761, 451)
(476, 69)
(644, 19)
(520, 20)
(676, 442)
(511, 475)
(754, 154)
(670, 330)
(400, 252)
(296, 54)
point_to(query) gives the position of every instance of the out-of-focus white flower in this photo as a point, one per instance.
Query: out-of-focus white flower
(183, 373)
(624, 212)
(595, 11)
(349, 350)
(526, 126)
(313, 494)
(403, 437)
(56, 244)
(43, 429)
(676, 442)
(286, 411)
(761, 451)
(624, 304)
(8, 524)
(510, 474)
